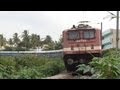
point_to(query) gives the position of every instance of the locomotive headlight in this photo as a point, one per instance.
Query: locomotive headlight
(70, 61)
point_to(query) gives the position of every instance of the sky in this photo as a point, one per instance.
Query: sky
(49, 22)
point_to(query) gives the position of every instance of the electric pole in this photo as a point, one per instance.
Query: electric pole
(101, 28)
(117, 30)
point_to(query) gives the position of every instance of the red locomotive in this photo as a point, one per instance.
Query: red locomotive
(80, 44)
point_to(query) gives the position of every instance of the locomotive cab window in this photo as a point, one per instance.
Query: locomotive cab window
(89, 34)
(73, 35)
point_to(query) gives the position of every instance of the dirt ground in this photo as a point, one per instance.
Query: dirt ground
(64, 75)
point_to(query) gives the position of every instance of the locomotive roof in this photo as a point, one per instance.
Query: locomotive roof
(80, 26)
(79, 29)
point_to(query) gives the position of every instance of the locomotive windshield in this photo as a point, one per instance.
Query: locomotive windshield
(81, 34)
(73, 35)
(89, 34)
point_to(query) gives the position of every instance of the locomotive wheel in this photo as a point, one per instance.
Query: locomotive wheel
(69, 64)
(70, 61)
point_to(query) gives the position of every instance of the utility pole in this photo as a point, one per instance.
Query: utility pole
(101, 31)
(101, 26)
(117, 30)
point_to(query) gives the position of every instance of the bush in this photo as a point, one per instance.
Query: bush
(52, 68)
(29, 73)
(85, 69)
(107, 67)
(7, 48)
(7, 72)
(29, 67)
(7, 61)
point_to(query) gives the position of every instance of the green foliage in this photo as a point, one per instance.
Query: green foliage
(16, 39)
(48, 39)
(29, 67)
(49, 46)
(52, 45)
(58, 44)
(35, 40)
(10, 41)
(7, 61)
(107, 67)
(14, 49)
(85, 69)
(26, 42)
(26, 39)
(2, 40)
(29, 73)
(52, 68)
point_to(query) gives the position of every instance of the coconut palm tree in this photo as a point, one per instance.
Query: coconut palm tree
(35, 40)
(2, 40)
(26, 39)
(10, 41)
(48, 39)
(16, 39)
(58, 44)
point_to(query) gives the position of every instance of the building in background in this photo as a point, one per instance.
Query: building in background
(109, 39)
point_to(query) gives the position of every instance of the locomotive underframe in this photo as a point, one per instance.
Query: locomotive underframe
(71, 61)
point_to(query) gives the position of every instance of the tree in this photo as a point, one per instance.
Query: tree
(49, 46)
(39, 41)
(26, 39)
(16, 39)
(2, 40)
(48, 43)
(58, 44)
(10, 41)
(48, 39)
(35, 40)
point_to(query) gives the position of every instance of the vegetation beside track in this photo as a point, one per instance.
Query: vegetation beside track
(107, 67)
(29, 67)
